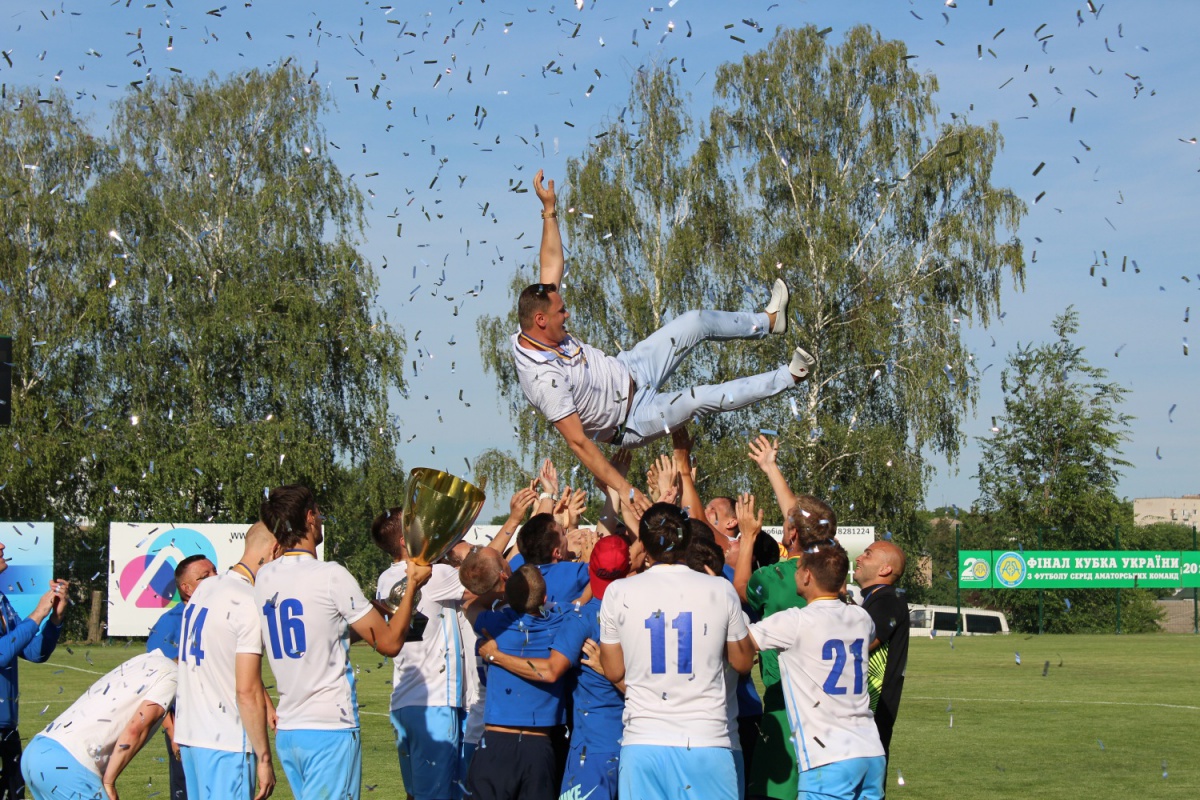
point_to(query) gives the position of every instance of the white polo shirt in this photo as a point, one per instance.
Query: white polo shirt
(575, 378)
(429, 672)
(673, 624)
(305, 609)
(89, 729)
(823, 654)
(220, 622)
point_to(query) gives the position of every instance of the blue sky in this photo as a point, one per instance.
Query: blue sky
(479, 95)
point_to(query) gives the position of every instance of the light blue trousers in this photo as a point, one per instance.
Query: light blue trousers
(653, 360)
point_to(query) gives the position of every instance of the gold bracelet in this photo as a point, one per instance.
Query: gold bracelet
(551, 214)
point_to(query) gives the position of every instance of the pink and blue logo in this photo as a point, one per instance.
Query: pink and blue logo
(148, 581)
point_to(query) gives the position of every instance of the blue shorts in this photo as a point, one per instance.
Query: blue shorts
(739, 768)
(429, 741)
(51, 772)
(852, 779)
(590, 773)
(651, 772)
(217, 774)
(321, 765)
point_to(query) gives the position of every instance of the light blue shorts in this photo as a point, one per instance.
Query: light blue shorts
(429, 741)
(651, 772)
(217, 774)
(51, 773)
(739, 767)
(321, 765)
(852, 779)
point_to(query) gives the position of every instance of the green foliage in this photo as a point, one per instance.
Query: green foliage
(1048, 478)
(1053, 460)
(825, 165)
(192, 322)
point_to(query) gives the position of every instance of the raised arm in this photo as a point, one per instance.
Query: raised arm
(521, 502)
(15, 642)
(551, 256)
(750, 524)
(763, 452)
(610, 514)
(689, 501)
(589, 454)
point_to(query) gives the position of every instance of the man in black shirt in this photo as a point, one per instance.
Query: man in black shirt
(877, 571)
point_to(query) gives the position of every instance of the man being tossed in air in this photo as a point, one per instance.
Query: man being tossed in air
(590, 396)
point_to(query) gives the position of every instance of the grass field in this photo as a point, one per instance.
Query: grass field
(1101, 723)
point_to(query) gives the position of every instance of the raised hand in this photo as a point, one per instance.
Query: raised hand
(667, 475)
(521, 502)
(748, 522)
(763, 452)
(548, 478)
(545, 192)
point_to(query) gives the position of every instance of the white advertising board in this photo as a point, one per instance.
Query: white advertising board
(855, 538)
(141, 567)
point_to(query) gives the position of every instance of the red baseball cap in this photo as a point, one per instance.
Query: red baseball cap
(609, 562)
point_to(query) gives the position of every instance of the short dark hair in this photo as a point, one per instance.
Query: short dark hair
(812, 519)
(766, 551)
(182, 566)
(526, 590)
(387, 531)
(285, 513)
(703, 553)
(533, 298)
(538, 539)
(664, 533)
(730, 500)
(828, 563)
(700, 530)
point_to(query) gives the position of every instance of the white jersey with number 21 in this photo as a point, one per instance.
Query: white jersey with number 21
(823, 652)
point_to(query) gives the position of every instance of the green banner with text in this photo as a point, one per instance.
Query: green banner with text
(1078, 569)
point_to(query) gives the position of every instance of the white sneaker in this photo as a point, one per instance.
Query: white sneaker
(778, 305)
(801, 362)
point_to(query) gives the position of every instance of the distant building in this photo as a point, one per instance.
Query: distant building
(1180, 510)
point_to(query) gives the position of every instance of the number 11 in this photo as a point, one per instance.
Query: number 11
(657, 624)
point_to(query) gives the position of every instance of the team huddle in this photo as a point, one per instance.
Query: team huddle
(575, 666)
(578, 664)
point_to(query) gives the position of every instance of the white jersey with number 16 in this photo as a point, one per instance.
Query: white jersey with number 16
(306, 608)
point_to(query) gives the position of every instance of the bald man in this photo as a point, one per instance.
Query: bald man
(222, 708)
(877, 571)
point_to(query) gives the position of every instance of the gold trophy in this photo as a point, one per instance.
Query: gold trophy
(439, 508)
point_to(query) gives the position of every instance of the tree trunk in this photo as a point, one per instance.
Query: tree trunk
(94, 630)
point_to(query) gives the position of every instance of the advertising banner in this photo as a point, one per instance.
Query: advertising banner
(855, 538)
(142, 561)
(29, 551)
(1078, 569)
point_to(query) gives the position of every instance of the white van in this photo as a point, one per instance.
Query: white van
(975, 621)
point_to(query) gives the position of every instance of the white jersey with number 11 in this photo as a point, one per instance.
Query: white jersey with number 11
(673, 624)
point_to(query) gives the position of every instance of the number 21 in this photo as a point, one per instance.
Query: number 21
(836, 649)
